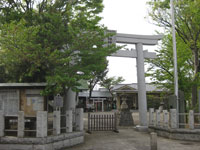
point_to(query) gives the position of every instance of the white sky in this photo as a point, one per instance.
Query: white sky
(126, 16)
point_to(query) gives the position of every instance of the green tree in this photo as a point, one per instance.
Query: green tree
(109, 82)
(51, 41)
(187, 19)
(161, 70)
(96, 77)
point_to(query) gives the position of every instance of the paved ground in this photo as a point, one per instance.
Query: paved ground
(129, 139)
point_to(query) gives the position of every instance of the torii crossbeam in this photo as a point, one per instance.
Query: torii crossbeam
(139, 41)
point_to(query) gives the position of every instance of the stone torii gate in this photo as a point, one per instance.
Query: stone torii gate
(139, 54)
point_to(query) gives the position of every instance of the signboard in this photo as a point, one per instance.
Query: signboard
(58, 101)
(36, 102)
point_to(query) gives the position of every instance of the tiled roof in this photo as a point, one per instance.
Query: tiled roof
(134, 87)
(95, 94)
(22, 84)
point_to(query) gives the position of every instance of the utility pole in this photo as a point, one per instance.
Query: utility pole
(175, 55)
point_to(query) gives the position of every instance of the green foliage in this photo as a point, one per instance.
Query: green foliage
(109, 82)
(51, 41)
(187, 19)
(161, 69)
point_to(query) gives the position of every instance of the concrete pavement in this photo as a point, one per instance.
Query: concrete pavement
(129, 139)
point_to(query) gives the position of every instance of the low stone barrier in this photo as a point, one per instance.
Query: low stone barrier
(167, 125)
(43, 141)
(178, 134)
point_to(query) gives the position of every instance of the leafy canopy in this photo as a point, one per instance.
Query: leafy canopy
(52, 41)
(187, 20)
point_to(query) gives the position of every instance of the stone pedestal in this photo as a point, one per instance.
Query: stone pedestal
(126, 118)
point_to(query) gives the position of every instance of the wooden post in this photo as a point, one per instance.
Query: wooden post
(115, 123)
(89, 127)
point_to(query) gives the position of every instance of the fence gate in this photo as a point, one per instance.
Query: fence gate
(102, 122)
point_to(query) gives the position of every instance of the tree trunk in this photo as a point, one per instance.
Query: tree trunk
(195, 80)
(90, 94)
(63, 109)
(194, 95)
(64, 99)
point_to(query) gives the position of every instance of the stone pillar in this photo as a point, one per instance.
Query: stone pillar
(141, 86)
(151, 116)
(71, 100)
(20, 132)
(79, 119)
(173, 119)
(41, 124)
(158, 117)
(153, 141)
(191, 119)
(118, 103)
(69, 118)
(2, 123)
(166, 118)
(56, 122)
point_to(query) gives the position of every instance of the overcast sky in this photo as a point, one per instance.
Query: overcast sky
(126, 16)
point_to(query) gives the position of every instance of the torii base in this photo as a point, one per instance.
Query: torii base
(142, 128)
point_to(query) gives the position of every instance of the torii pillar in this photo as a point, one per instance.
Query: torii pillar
(141, 85)
(139, 54)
